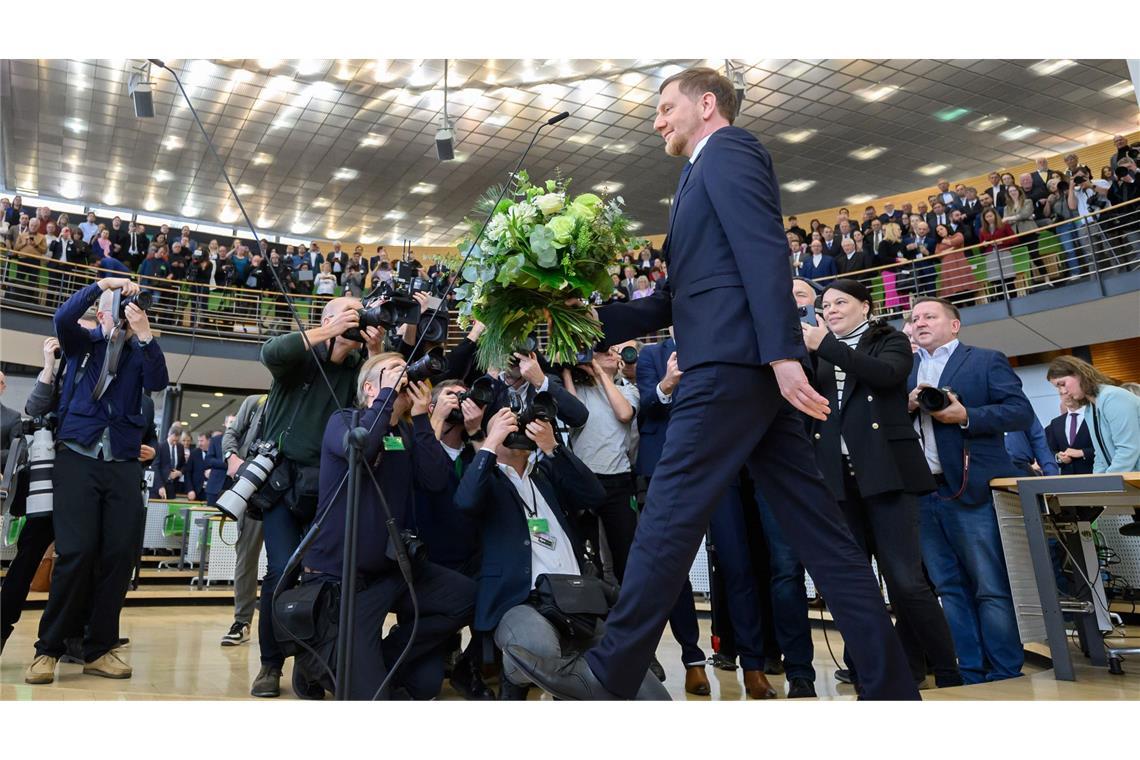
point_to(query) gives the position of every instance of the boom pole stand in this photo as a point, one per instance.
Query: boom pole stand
(354, 441)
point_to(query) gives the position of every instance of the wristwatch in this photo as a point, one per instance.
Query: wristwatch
(227, 455)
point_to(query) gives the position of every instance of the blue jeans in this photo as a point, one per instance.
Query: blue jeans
(282, 536)
(789, 598)
(1066, 233)
(962, 551)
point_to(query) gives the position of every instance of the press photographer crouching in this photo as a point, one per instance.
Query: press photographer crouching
(98, 507)
(533, 563)
(279, 479)
(402, 456)
(871, 460)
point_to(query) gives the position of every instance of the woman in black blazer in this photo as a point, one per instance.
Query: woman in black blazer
(870, 457)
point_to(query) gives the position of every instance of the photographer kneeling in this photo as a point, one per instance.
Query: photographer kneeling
(402, 457)
(523, 504)
(98, 508)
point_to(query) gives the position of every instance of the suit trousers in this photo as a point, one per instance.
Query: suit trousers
(726, 417)
(35, 538)
(886, 525)
(96, 515)
(248, 548)
(618, 518)
(730, 537)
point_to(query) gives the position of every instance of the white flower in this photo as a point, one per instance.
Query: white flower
(497, 228)
(523, 212)
(550, 203)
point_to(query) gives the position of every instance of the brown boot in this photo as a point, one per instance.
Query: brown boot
(757, 686)
(696, 682)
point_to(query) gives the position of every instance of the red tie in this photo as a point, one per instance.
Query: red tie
(1072, 427)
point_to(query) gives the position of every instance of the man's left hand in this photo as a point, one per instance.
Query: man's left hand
(472, 416)
(813, 335)
(794, 387)
(420, 395)
(138, 321)
(530, 369)
(541, 432)
(954, 414)
(146, 453)
(373, 339)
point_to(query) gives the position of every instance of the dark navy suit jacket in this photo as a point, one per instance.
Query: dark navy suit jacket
(826, 267)
(652, 415)
(196, 472)
(488, 497)
(991, 392)
(216, 465)
(728, 296)
(1057, 437)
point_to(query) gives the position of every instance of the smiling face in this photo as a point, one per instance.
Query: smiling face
(843, 312)
(681, 120)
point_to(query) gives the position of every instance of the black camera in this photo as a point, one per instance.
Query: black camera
(529, 345)
(198, 256)
(629, 355)
(1120, 172)
(933, 399)
(429, 365)
(482, 392)
(248, 480)
(143, 299)
(541, 407)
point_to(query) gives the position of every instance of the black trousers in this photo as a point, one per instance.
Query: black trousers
(886, 525)
(35, 538)
(97, 510)
(618, 518)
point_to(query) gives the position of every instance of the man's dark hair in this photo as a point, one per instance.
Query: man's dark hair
(950, 308)
(697, 81)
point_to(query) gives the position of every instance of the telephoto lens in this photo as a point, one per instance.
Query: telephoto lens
(429, 365)
(629, 355)
(249, 478)
(143, 299)
(482, 392)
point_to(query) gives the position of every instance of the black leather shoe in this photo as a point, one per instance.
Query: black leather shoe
(656, 669)
(801, 688)
(571, 678)
(305, 689)
(773, 666)
(466, 680)
(720, 662)
(843, 675)
(1130, 529)
(509, 692)
(267, 683)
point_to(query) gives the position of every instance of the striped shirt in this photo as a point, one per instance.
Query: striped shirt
(851, 340)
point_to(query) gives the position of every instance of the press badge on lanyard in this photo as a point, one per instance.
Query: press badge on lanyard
(393, 443)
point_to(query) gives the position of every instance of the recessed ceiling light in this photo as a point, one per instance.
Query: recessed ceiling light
(239, 76)
(111, 198)
(1017, 133)
(345, 174)
(300, 228)
(951, 114)
(796, 135)
(319, 203)
(496, 120)
(265, 221)
(332, 234)
(307, 66)
(261, 159)
(184, 423)
(205, 405)
(666, 201)
(862, 198)
(245, 189)
(930, 170)
(1120, 89)
(986, 123)
(799, 185)
(423, 188)
(373, 140)
(618, 148)
(607, 188)
(219, 394)
(190, 209)
(194, 415)
(1051, 66)
(394, 215)
(380, 70)
(163, 176)
(75, 125)
(282, 122)
(268, 63)
(152, 204)
(429, 220)
(228, 215)
(172, 143)
(630, 78)
(580, 139)
(867, 153)
(874, 94)
(667, 71)
(368, 239)
(70, 188)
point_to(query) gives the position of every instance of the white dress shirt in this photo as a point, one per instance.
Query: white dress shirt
(560, 559)
(930, 367)
(697, 150)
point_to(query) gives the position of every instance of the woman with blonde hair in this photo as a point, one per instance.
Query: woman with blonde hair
(890, 251)
(1019, 215)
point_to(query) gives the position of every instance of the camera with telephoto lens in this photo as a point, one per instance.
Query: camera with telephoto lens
(629, 355)
(482, 392)
(541, 407)
(41, 464)
(429, 365)
(933, 399)
(143, 299)
(249, 479)
(528, 346)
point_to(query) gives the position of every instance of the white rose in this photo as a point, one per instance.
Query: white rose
(550, 203)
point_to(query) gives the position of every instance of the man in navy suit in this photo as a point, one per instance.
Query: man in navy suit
(217, 480)
(1069, 440)
(818, 264)
(196, 469)
(965, 448)
(740, 347)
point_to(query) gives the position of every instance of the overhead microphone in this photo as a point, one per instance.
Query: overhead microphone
(555, 119)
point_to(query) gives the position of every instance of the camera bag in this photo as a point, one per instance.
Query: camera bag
(572, 603)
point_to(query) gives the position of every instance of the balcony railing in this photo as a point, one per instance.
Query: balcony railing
(1084, 248)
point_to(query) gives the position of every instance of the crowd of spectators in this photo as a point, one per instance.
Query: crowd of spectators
(958, 243)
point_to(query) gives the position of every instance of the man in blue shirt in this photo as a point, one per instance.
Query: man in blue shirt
(97, 477)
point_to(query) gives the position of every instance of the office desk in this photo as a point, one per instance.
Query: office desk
(1022, 506)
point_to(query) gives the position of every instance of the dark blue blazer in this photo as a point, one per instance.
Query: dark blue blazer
(727, 294)
(1057, 438)
(826, 268)
(490, 499)
(991, 392)
(1028, 446)
(652, 415)
(196, 472)
(216, 483)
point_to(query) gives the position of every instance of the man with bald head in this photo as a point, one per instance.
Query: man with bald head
(296, 413)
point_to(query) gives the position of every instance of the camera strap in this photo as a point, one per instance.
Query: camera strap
(115, 343)
(1099, 437)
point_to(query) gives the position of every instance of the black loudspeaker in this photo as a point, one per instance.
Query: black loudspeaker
(141, 97)
(445, 144)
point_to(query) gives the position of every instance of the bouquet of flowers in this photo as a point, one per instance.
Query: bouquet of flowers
(542, 248)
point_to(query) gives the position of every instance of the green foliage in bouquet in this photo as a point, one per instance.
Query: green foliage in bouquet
(541, 247)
